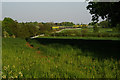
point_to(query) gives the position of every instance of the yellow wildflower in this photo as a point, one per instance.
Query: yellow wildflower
(56, 66)
(16, 76)
(8, 66)
(20, 73)
(13, 66)
(5, 68)
(4, 76)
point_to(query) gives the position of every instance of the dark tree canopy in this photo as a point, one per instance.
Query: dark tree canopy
(106, 10)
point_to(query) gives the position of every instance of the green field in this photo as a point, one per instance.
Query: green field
(60, 58)
(89, 30)
(88, 33)
(84, 38)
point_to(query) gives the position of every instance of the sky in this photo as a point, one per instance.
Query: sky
(47, 11)
(42, 0)
(0, 11)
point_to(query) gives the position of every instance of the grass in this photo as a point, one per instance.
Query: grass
(87, 33)
(89, 30)
(56, 58)
(84, 38)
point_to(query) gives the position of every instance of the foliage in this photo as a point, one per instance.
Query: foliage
(104, 24)
(84, 31)
(5, 34)
(9, 25)
(24, 30)
(88, 32)
(117, 28)
(92, 23)
(65, 24)
(107, 10)
(28, 29)
(95, 28)
(57, 60)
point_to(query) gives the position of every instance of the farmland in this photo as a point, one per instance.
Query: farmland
(58, 40)
(70, 53)
(60, 58)
(88, 33)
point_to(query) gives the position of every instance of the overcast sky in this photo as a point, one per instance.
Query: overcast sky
(46, 11)
(43, 0)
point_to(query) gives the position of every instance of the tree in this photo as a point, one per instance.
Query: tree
(104, 24)
(44, 28)
(107, 10)
(95, 28)
(9, 25)
(67, 24)
(92, 23)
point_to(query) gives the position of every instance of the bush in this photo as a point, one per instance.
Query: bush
(95, 28)
(117, 28)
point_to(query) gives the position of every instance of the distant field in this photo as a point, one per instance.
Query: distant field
(88, 33)
(78, 30)
(90, 29)
(60, 58)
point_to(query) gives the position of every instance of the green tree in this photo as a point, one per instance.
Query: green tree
(104, 24)
(107, 10)
(9, 25)
(117, 28)
(92, 23)
(95, 28)
(44, 28)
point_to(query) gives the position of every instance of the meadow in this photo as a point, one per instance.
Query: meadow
(60, 58)
(88, 32)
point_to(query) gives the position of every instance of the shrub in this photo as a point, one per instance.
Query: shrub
(95, 28)
(117, 28)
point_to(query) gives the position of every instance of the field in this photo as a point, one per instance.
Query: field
(88, 33)
(60, 58)
(89, 30)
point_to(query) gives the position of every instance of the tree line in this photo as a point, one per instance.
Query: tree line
(13, 28)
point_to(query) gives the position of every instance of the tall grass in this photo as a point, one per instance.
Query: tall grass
(53, 60)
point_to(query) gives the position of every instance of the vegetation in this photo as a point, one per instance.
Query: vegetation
(89, 32)
(82, 38)
(23, 30)
(117, 28)
(51, 58)
(87, 52)
(65, 24)
(107, 10)
(104, 24)
(11, 27)
(95, 29)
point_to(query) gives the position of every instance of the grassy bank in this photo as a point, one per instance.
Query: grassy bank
(56, 58)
